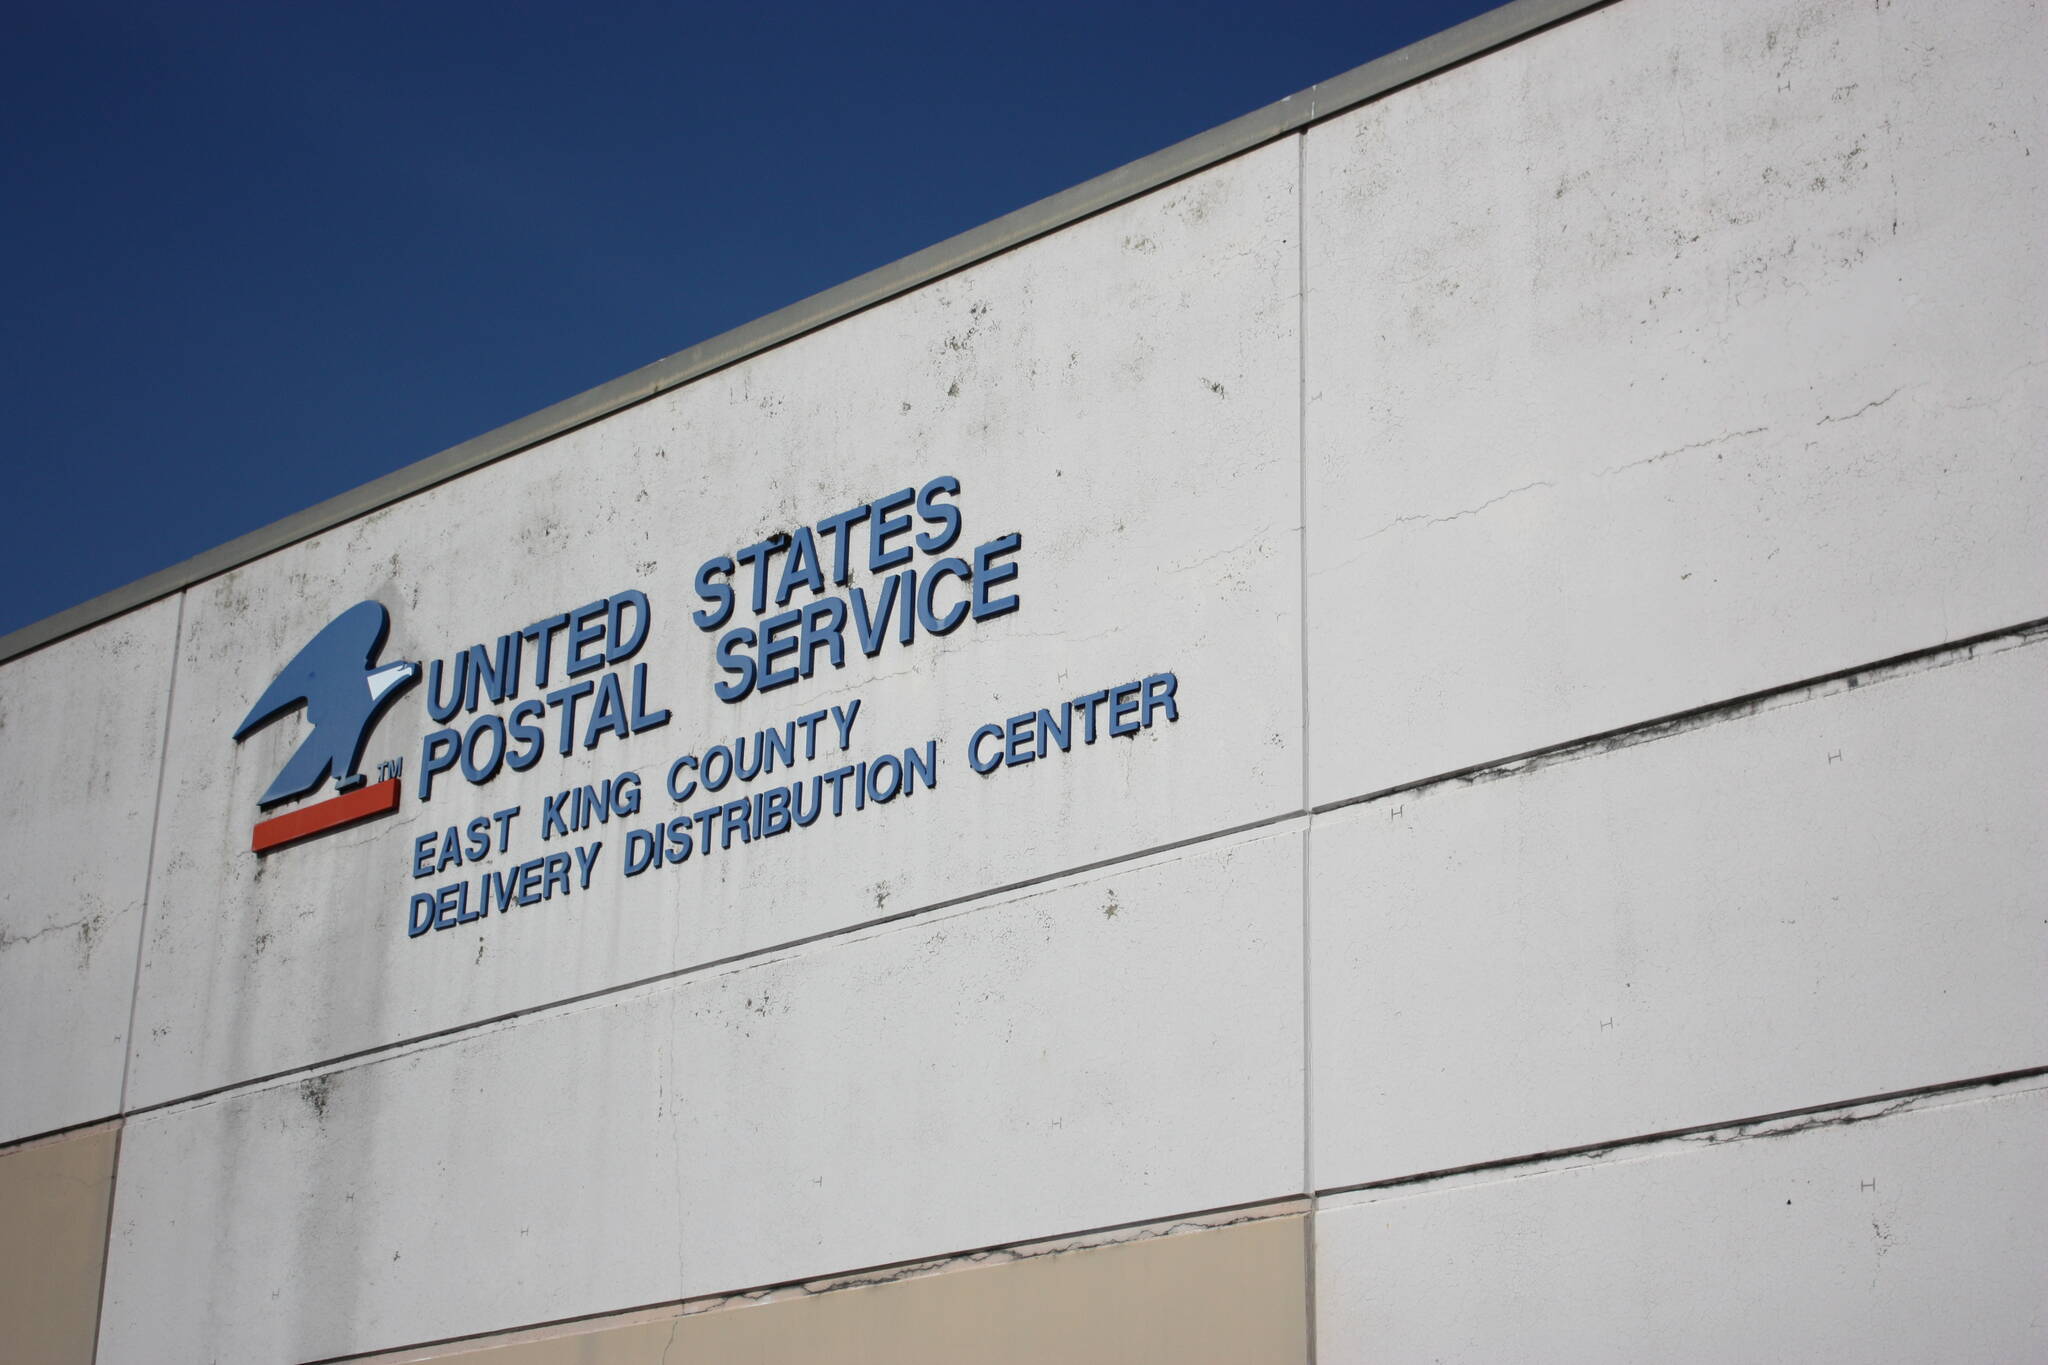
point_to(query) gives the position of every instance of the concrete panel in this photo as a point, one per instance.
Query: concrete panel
(1837, 897)
(1221, 1297)
(1676, 353)
(1123, 395)
(53, 1241)
(1857, 1236)
(81, 739)
(1047, 1063)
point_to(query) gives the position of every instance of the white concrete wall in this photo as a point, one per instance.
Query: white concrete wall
(81, 745)
(1838, 896)
(1910, 1237)
(1676, 353)
(1122, 394)
(1103, 1049)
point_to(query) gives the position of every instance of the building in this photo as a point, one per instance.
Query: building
(1411, 730)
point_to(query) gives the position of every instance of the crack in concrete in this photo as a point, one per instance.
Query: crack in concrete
(1258, 539)
(1778, 1128)
(89, 924)
(1679, 450)
(1428, 520)
(1873, 403)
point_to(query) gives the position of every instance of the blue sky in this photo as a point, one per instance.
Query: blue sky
(260, 255)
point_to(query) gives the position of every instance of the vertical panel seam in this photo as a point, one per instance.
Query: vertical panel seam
(156, 814)
(156, 811)
(1308, 1174)
(99, 1309)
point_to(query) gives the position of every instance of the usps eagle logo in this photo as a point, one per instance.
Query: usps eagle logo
(344, 690)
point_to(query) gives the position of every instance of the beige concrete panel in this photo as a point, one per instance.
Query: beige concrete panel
(1221, 1297)
(53, 1241)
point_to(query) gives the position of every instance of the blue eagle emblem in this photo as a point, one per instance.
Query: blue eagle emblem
(344, 690)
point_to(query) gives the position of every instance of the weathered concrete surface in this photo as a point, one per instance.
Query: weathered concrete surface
(1048, 1062)
(1836, 897)
(1122, 394)
(1890, 1234)
(81, 737)
(1676, 353)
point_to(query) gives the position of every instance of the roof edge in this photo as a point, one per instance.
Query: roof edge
(1326, 99)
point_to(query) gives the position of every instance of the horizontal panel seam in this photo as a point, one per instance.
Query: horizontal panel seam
(1588, 1149)
(1282, 1206)
(1699, 717)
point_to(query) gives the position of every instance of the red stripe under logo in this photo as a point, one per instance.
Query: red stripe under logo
(380, 798)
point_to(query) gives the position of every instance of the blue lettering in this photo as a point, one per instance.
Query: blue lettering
(869, 630)
(957, 612)
(643, 719)
(733, 659)
(643, 848)
(974, 758)
(1017, 739)
(542, 633)
(565, 699)
(773, 649)
(774, 811)
(800, 568)
(824, 626)
(682, 793)
(607, 713)
(525, 732)
(758, 555)
(437, 755)
(925, 766)
(987, 575)
(837, 527)
(451, 851)
(880, 556)
(620, 650)
(478, 771)
(1055, 731)
(718, 594)
(879, 792)
(586, 627)
(444, 711)
(552, 821)
(1123, 703)
(1159, 689)
(943, 514)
